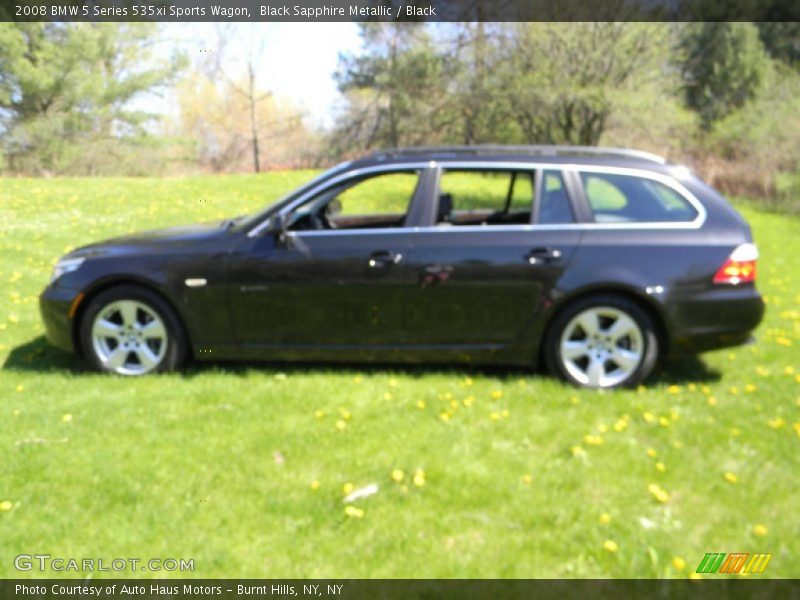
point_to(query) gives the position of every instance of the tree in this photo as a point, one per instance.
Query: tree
(723, 65)
(394, 88)
(67, 90)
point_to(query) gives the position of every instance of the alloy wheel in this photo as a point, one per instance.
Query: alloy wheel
(601, 346)
(129, 337)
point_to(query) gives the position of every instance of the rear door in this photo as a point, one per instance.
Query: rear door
(489, 261)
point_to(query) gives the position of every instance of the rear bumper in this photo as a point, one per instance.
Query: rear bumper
(54, 305)
(717, 318)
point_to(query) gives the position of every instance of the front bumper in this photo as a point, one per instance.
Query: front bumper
(54, 304)
(717, 318)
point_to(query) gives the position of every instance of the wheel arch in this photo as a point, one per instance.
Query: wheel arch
(651, 307)
(106, 284)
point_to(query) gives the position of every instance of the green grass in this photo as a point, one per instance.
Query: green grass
(217, 463)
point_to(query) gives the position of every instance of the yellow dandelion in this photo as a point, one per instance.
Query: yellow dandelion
(788, 370)
(641, 389)
(358, 379)
(674, 414)
(468, 381)
(664, 421)
(760, 530)
(419, 478)
(67, 418)
(734, 390)
(610, 546)
(6, 505)
(393, 382)
(421, 404)
(602, 428)
(678, 563)
(705, 389)
(315, 485)
(593, 440)
(20, 388)
(652, 453)
(661, 467)
(494, 416)
(352, 511)
(731, 477)
(796, 426)
(398, 475)
(694, 575)
(749, 388)
(319, 414)
(735, 431)
(340, 425)
(13, 318)
(674, 389)
(660, 494)
(649, 417)
(620, 425)
(453, 404)
(496, 394)
(527, 479)
(468, 401)
(605, 518)
(347, 488)
(575, 400)
(387, 396)
(712, 401)
(444, 416)
(797, 378)
(762, 371)
(692, 387)
(16, 414)
(346, 415)
(776, 423)
(505, 413)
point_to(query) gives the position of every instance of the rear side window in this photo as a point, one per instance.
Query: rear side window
(554, 206)
(630, 199)
(477, 197)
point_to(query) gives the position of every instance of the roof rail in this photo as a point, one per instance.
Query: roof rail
(536, 150)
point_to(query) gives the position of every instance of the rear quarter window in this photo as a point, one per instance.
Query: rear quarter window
(631, 199)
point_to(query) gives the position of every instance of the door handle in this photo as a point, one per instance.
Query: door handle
(540, 256)
(383, 259)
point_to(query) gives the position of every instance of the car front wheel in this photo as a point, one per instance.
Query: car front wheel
(130, 330)
(604, 341)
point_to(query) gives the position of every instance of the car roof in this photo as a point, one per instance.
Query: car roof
(556, 155)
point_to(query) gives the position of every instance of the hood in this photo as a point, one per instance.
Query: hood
(172, 239)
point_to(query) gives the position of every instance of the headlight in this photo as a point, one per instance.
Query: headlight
(66, 265)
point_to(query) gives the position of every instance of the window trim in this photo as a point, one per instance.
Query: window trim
(430, 171)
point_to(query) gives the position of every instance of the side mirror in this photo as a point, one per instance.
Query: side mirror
(279, 226)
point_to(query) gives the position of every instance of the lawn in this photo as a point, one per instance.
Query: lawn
(479, 473)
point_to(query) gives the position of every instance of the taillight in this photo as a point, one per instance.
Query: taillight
(740, 267)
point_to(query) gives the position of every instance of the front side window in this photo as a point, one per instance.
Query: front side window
(631, 199)
(474, 197)
(379, 201)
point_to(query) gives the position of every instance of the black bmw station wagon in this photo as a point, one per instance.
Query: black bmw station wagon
(596, 262)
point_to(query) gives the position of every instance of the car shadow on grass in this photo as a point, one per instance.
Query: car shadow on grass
(38, 356)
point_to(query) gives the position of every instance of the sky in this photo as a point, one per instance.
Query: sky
(297, 62)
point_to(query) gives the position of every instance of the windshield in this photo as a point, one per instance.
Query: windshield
(250, 220)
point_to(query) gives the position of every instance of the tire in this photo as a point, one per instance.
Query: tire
(130, 330)
(602, 341)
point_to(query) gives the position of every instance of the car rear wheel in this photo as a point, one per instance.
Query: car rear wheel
(603, 341)
(130, 330)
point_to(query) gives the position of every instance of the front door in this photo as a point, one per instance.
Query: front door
(337, 276)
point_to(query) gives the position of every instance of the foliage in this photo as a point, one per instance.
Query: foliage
(521, 475)
(66, 93)
(723, 65)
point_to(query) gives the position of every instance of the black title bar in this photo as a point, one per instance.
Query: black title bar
(180, 11)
